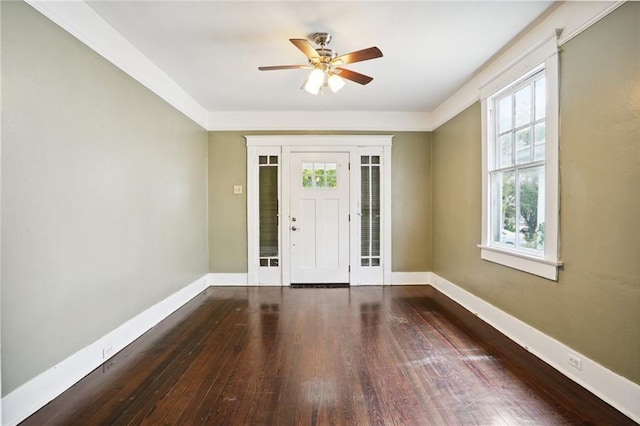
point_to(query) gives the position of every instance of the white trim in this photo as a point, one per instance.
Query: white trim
(82, 22)
(536, 266)
(411, 278)
(256, 274)
(228, 279)
(387, 221)
(582, 22)
(382, 274)
(319, 140)
(37, 392)
(529, 64)
(619, 392)
(388, 121)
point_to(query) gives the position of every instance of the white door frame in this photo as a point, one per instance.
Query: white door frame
(285, 145)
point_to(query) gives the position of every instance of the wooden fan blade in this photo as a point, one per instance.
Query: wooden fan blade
(359, 56)
(285, 67)
(305, 47)
(354, 76)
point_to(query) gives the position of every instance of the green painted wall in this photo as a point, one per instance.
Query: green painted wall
(104, 192)
(595, 306)
(411, 201)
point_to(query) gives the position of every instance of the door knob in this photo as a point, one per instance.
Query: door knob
(293, 228)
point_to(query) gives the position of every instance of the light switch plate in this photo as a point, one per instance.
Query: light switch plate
(237, 189)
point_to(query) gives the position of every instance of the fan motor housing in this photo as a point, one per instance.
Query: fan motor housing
(326, 54)
(321, 39)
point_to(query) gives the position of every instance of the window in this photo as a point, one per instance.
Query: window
(520, 166)
(268, 210)
(320, 175)
(516, 171)
(369, 210)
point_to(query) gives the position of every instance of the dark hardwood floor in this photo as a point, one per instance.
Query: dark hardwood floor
(310, 356)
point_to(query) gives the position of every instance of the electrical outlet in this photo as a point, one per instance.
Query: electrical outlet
(107, 351)
(575, 362)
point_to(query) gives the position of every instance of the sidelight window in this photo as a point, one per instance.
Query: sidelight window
(268, 210)
(370, 210)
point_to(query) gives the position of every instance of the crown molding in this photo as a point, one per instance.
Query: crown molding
(82, 22)
(320, 121)
(564, 23)
(76, 17)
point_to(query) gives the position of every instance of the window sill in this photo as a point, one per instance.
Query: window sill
(533, 265)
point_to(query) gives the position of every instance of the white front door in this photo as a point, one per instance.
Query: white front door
(319, 217)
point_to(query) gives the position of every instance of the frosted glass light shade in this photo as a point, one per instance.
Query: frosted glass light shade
(335, 83)
(314, 81)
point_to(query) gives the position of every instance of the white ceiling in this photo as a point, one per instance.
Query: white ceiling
(212, 49)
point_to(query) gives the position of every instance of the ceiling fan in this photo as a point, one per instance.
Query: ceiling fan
(327, 65)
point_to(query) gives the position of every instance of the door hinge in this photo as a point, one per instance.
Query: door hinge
(349, 268)
(349, 217)
(349, 166)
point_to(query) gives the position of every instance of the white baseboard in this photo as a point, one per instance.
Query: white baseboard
(614, 389)
(617, 391)
(227, 279)
(241, 279)
(37, 392)
(410, 278)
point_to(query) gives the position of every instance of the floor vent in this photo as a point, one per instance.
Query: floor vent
(329, 285)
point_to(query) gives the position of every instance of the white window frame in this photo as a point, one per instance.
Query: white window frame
(544, 57)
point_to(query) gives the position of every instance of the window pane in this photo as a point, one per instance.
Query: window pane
(503, 201)
(319, 178)
(531, 211)
(523, 106)
(268, 211)
(541, 98)
(375, 210)
(364, 159)
(506, 150)
(523, 145)
(332, 175)
(307, 175)
(273, 159)
(262, 159)
(365, 212)
(504, 114)
(375, 261)
(370, 211)
(539, 141)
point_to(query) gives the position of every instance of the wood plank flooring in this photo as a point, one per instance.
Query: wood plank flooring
(309, 356)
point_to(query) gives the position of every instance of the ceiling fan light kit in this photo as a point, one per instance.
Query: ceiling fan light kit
(325, 64)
